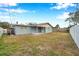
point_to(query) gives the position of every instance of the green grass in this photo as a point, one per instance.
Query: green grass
(56, 43)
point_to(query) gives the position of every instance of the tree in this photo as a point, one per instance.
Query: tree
(71, 18)
(57, 26)
(4, 25)
(74, 16)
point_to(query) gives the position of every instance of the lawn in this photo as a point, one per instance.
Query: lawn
(56, 43)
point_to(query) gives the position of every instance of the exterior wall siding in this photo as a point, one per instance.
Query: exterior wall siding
(48, 29)
(19, 30)
(36, 30)
(22, 30)
(43, 30)
(33, 30)
(27, 30)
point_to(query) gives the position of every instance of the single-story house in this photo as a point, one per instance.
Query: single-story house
(3, 31)
(18, 29)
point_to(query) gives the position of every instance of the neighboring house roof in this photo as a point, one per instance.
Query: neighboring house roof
(34, 25)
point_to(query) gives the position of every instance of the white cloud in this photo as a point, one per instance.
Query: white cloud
(60, 19)
(4, 17)
(10, 4)
(41, 1)
(21, 11)
(63, 5)
(17, 10)
(10, 1)
(63, 16)
(7, 18)
(7, 4)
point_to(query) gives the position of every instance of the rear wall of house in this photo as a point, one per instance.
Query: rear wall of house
(22, 30)
(29, 30)
(49, 29)
(37, 30)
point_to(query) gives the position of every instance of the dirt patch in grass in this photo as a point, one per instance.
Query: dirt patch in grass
(56, 43)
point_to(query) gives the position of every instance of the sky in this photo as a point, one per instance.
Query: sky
(54, 13)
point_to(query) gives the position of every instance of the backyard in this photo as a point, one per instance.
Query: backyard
(50, 44)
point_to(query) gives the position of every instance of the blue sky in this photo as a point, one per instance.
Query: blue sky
(54, 13)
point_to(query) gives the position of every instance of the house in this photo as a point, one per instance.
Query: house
(3, 31)
(19, 29)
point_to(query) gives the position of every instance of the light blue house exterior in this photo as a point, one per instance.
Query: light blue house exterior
(30, 29)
